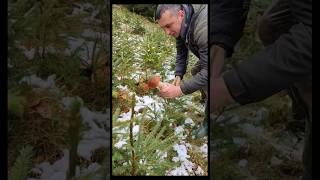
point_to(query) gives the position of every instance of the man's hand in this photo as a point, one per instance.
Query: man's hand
(220, 96)
(217, 56)
(177, 81)
(170, 91)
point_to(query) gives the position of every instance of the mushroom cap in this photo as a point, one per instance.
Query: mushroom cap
(154, 81)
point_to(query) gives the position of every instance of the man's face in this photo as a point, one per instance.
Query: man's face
(171, 22)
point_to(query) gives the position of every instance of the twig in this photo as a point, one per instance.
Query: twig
(133, 170)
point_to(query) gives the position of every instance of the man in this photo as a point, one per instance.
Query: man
(188, 24)
(286, 31)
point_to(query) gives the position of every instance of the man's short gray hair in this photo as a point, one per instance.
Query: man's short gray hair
(163, 7)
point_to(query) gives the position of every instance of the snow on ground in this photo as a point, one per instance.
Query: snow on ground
(95, 136)
(35, 81)
(204, 150)
(59, 169)
(156, 103)
(189, 121)
(125, 116)
(186, 167)
(120, 144)
(147, 101)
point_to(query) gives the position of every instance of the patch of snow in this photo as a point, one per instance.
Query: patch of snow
(188, 145)
(92, 140)
(251, 130)
(124, 116)
(56, 171)
(147, 101)
(243, 163)
(185, 169)
(163, 155)
(35, 81)
(182, 151)
(143, 161)
(169, 77)
(9, 65)
(120, 144)
(96, 137)
(179, 130)
(175, 159)
(123, 88)
(93, 117)
(275, 161)
(204, 149)
(28, 53)
(135, 130)
(98, 133)
(189, 121)
(121, 130)
(91, 168)
(179, 171)
(199, 171)
(75, 43)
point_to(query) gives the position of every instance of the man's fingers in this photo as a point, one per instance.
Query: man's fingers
(178, 82)
(174, 81)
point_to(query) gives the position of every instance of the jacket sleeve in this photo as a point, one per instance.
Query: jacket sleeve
(200, 80)
(228, 18)
(287, 61)
(181, 58)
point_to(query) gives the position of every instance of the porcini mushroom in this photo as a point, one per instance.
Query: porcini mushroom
(154, 82)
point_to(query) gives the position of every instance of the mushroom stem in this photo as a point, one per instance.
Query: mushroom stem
(160, 85)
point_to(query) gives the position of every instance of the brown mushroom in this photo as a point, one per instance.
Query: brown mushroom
(154, 82)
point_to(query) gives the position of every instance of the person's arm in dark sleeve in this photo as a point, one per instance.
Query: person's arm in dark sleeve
(228, 18)
(200, 80)
(273, 69)
(181, 58)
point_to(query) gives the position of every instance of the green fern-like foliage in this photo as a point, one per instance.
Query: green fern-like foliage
(150, 144)
(22, 165)
(41, 26)
(149, 148)
(74, 135)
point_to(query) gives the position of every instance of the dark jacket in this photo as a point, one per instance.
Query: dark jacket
(194, 37)
(227, 20)
(286, 62)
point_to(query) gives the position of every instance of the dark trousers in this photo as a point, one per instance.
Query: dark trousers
(277, 20)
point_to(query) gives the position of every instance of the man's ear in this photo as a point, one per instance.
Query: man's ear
(181, 13)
